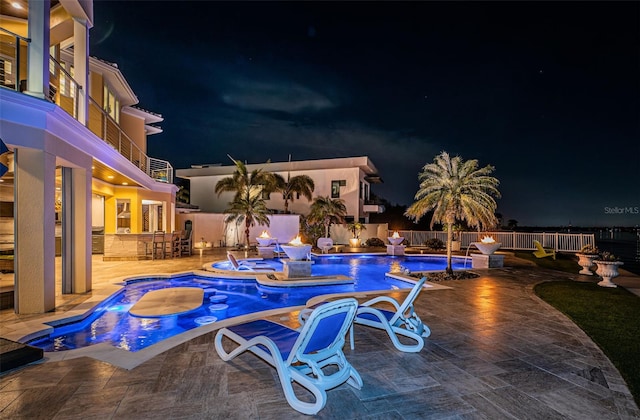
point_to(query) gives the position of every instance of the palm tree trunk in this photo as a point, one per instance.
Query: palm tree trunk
(449, 240)
(286, 206)
(247, 225)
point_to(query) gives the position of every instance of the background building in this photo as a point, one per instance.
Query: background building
(349, 179)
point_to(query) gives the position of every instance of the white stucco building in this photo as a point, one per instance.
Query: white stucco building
(348, 178)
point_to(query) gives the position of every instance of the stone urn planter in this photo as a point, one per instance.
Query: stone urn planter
(607, 270)
(586, 262)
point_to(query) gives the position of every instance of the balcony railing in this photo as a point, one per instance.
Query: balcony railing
(64, 91)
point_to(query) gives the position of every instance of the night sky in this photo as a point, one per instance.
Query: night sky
(547, 92)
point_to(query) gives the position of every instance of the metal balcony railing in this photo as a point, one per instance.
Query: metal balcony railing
(64, 91)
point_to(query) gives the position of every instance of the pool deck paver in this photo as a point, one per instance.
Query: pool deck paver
(496, 351)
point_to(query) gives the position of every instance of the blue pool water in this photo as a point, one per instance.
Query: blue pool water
(111, 323)
(367, 266)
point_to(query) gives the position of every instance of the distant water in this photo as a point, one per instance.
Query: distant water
(624, 244)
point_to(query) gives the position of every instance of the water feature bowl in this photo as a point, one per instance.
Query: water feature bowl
(264, 241)
(297, 252)
(395, 241)
(487, 248)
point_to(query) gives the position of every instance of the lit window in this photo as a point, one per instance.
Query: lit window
(335, 188)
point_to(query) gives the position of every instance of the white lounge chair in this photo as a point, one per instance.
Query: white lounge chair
(325, 244)
(404, 321)
(244, 265)
(302, 355)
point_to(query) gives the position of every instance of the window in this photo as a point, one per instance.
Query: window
(111, 104)
(335, 187)
(123, 216)
(6, 71)
(152, 216)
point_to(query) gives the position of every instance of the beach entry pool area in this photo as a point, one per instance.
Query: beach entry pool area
(114, 323)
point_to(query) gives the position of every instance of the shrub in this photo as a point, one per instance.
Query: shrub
(589, 249)
(434, 243)
(374, 242)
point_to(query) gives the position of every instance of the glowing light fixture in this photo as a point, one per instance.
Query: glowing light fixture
(16, 5)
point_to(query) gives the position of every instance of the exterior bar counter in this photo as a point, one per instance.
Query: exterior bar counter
(129, 246)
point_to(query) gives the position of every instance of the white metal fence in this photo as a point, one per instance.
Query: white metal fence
(569, 242)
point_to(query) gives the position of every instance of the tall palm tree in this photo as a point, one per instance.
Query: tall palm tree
(248, 203)
(242, 179)
(456, 190)
(326, 211)
(299, 185)
(248, 206)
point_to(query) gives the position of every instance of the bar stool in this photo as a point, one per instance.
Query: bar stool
(174, 245)
(157, 245)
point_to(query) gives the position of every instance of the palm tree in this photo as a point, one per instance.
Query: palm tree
(182, 195)
(299, 185)
(456, 190)
(326, 211)
(242, 179)
(248, 206)
(355, 228)
(248, 203)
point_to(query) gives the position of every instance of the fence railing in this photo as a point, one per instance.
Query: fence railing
(66, 90)
(567, 242)
(12, 59)
(105, 127)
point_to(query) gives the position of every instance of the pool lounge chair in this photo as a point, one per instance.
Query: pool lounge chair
(542, 252)
(404, 321)
(247, 266)
(301, 356)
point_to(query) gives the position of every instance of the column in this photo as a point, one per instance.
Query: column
(38, 56)
(34, 231)
(81, 66)
(76, 231)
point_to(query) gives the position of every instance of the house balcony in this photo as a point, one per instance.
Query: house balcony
(66, 93)
(372, 207)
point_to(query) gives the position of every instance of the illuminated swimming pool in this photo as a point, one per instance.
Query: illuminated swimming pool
(111, 323)
(366, 266)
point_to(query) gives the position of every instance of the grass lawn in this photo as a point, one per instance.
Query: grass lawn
(563, 262)
(611, 317)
